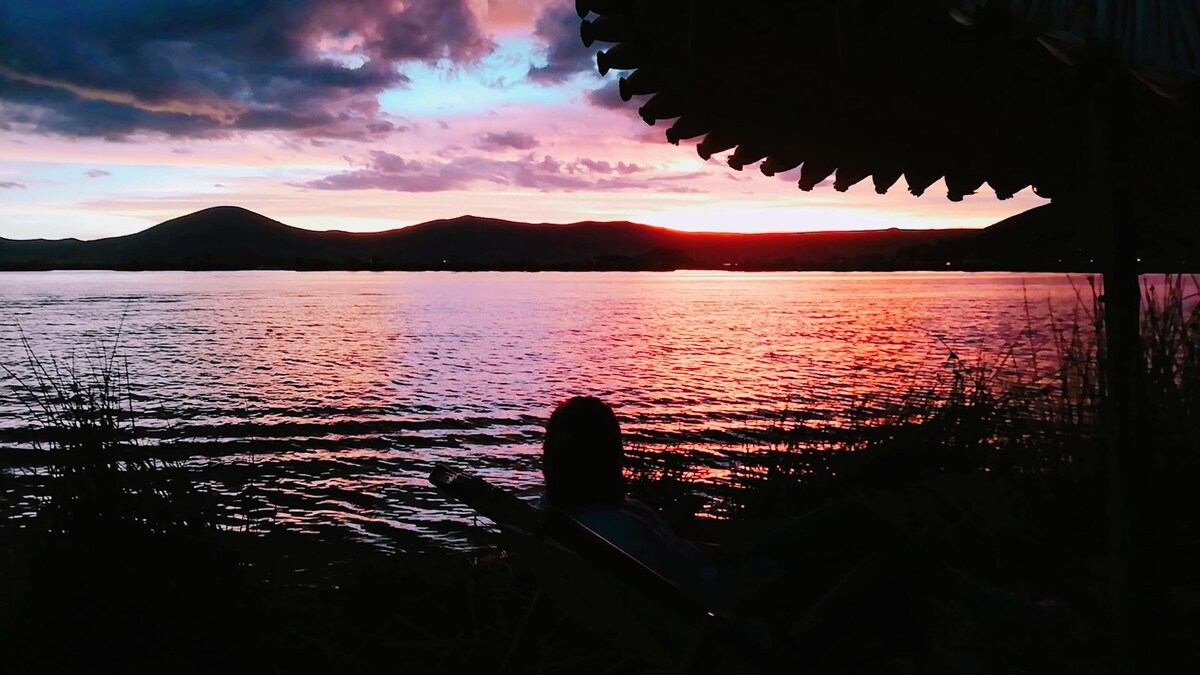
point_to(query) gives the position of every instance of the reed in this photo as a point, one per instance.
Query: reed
(1171, 340)
(101, 479)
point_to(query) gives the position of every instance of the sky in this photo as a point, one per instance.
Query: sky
(366, 115)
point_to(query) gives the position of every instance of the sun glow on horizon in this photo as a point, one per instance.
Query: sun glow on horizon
(750, 219)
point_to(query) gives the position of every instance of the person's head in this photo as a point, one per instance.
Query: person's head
(581, 455)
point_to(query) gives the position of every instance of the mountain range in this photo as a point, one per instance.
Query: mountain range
(228, 237)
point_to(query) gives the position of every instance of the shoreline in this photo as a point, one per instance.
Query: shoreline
(537, 270)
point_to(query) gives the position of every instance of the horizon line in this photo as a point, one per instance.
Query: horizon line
(520, 223)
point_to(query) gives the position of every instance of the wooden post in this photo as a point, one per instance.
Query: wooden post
(1130, 455)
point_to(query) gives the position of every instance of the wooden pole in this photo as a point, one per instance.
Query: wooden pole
(1130, 457)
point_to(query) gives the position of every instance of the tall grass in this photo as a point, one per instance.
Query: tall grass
(1171, 342)
(101, 479)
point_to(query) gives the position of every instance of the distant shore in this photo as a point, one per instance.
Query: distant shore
(231, 238)
(1064, 269)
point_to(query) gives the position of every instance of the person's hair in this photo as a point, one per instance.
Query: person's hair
(582, 455)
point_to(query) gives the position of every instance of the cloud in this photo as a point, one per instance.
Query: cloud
(11, 185)
(609, 97)
(386, 171)
(386, 162)
(509, 139)
(195, 68)
(604, 167)
(558, 29)
(97, 173)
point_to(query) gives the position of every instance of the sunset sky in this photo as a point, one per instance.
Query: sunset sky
(364, 115)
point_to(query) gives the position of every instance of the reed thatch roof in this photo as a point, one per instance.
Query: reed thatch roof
(858, 89)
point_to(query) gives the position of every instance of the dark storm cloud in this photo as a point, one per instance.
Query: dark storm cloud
(385, 171)
(558, 28)
(509, 139)
(202, 67)
(11, 185)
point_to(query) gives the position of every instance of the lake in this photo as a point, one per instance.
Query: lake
(330, 395)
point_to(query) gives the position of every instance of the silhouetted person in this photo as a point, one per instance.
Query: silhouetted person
(582, 462)
(582, 456)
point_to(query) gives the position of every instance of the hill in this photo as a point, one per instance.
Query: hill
(1054, 237)
(227, 237)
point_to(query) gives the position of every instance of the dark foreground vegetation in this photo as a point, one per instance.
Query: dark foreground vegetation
(995, 468)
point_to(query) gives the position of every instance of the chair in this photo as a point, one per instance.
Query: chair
(604, 589)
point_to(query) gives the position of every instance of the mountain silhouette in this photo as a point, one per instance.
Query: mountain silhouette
(229, 237)
(1055, 237)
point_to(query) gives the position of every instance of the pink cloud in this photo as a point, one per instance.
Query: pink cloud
(509, 139)
(386, 171)
(605, 167)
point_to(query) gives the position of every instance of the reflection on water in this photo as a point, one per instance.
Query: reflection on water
(333, 394)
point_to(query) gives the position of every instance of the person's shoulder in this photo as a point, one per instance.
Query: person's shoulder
(641, 510)
(651, 521)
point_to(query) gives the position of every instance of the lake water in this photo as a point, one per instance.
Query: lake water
(332, 394)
